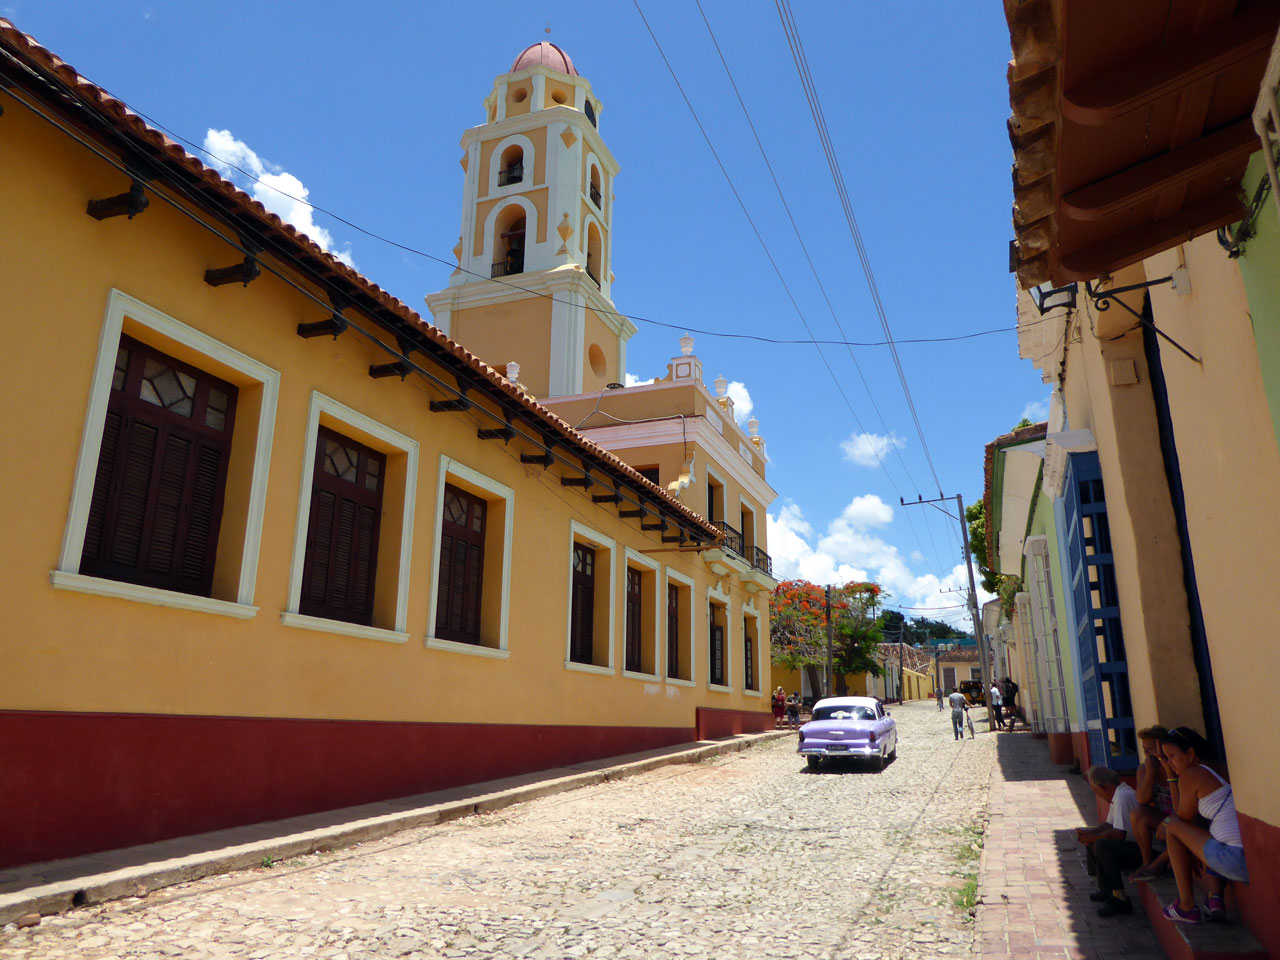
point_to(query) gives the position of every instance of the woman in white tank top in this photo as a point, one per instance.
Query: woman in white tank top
(1198, 791)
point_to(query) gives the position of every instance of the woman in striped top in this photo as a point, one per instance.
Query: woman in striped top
(1198, 791)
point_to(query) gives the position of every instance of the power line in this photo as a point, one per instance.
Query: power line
(763, 244)
(815, 108)
(830, 307)
(820, 123)
(406, 248)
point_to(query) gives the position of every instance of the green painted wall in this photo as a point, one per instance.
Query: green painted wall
(1042, 523)
(1260, 269)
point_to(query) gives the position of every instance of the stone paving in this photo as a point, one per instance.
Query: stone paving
(748, 855)
(1035, 891)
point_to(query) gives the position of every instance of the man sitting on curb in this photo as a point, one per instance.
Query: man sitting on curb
(1110, 847)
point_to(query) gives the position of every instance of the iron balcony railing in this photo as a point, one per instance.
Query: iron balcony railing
(594, 278)
(732, 538)
(511, 175)
(761, 561)
(507, 267)
(595, 196)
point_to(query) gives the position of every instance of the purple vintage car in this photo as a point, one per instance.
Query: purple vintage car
(849, 727)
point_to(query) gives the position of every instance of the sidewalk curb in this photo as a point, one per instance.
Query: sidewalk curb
(285, 839)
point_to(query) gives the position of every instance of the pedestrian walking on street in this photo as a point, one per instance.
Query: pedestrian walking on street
(793, 710)
(959, 711)
(995, 701)
(779, 707)
(937, 692)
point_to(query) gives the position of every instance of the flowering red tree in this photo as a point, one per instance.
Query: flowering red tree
(798, 629)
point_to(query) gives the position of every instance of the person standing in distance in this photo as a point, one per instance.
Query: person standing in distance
(994, 703)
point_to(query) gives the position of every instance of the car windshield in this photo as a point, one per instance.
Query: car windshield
(844, 713)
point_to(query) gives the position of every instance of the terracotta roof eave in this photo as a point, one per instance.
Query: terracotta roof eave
(103, 114)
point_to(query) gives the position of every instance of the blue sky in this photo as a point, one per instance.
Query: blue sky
(363, 106)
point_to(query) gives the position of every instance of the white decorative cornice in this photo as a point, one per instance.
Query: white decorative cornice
(1058, 446)
(479, 292)
(696, 430)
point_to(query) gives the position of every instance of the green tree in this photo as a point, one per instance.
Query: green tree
(798, 629)
(1002, 585)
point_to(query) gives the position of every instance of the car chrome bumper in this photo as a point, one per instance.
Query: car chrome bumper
(825, 750)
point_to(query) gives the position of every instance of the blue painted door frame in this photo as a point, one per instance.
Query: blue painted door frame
(1104, 672)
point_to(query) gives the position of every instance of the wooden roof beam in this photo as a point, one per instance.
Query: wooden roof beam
(1160, 70)
(1148, 239)
(1116, 193)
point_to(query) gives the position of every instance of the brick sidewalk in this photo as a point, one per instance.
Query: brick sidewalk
(1035, 892)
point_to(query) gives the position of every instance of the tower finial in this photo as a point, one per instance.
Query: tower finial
(547, 31)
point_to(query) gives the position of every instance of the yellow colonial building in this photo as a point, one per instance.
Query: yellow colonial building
(289, 547)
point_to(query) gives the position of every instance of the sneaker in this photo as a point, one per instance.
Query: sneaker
(1115, 908)
(1178, 915)
(1215, 910)
(1099, 896)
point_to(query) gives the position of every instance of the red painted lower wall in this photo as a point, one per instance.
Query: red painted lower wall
(76, 783)
(714, 722)
(1257, 900)
(1080, 749)
(1060, 748)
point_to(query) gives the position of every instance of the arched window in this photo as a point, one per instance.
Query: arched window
(590, 111)
(511, 168)
(594, 187)
(594, 264)
(508, 242)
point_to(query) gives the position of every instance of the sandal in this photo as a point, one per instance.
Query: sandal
(1215, 910)
(1178, 915)
(1145, 875)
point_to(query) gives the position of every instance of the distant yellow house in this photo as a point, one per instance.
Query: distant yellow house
(278, 545)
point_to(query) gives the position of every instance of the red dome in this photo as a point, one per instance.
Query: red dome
(545, 55)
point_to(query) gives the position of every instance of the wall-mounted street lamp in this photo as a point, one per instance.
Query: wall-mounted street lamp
(1048, 297)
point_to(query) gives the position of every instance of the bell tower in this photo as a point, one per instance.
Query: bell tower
(534, 257)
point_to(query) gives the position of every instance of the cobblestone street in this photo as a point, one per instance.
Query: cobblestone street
(748, 855)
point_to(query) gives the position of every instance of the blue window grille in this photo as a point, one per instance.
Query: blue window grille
(1104, 672)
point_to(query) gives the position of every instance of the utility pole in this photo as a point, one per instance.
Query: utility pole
(973, 591)
(830, 679)
(902, 630)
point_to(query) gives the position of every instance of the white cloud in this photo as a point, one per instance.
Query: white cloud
(742, 404)
(279, 191)
(1036, 410)
(632, 380)
(851, 549)
(869, 449)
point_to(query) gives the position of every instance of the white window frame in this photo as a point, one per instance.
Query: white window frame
(500, 491)
(631, 555)
(526, 163)
(67, 576)
(341, 413)
(674, 576)
(580, 531)
(715, 592)
(749, 610)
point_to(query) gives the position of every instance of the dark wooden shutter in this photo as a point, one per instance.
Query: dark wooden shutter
(634, 660)
(582, 606)
(339, 571)
(156, 506)
(461, 575)
(716, 651)
(748, 657)
(673, 630)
